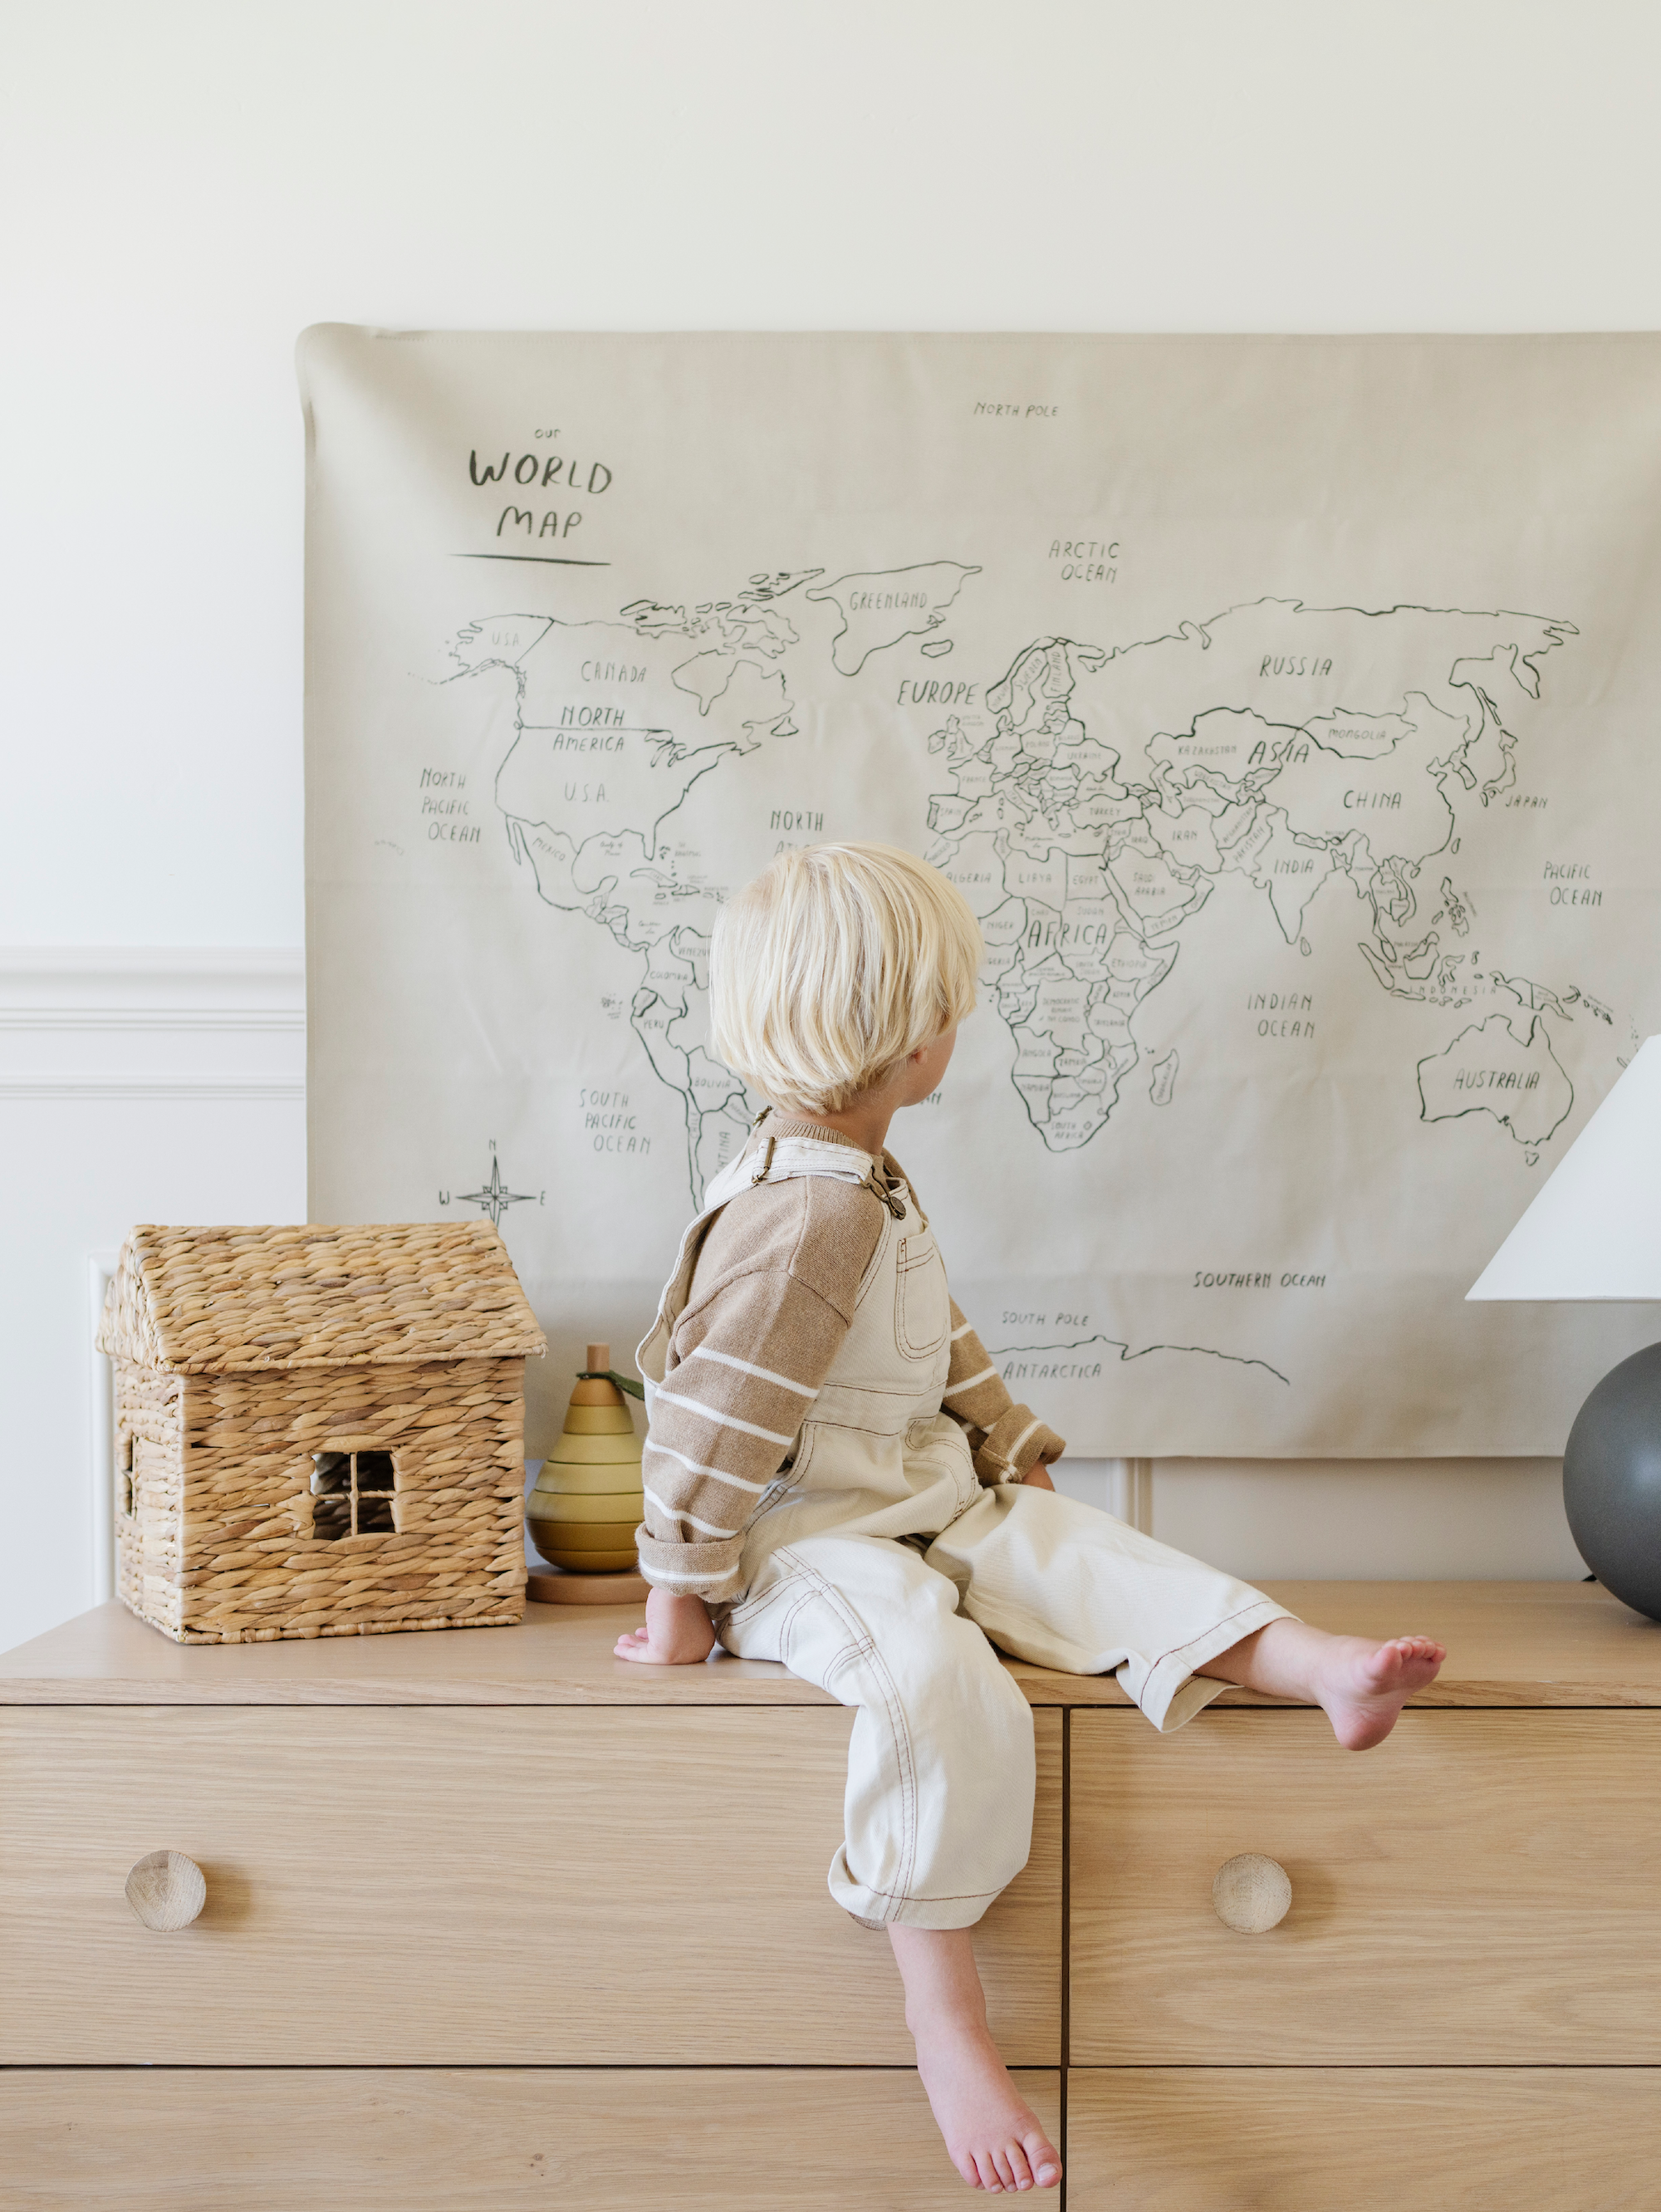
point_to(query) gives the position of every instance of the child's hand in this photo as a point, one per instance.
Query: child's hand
(1038, 1476)
(678, 1632)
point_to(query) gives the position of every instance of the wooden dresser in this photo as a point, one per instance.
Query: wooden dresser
(494, 1921)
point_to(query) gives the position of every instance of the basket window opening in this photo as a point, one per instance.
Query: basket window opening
(352, 1494)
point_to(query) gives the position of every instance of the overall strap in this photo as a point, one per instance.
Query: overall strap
(783, 1159)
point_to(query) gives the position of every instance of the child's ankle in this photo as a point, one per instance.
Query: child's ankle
(934, 2016)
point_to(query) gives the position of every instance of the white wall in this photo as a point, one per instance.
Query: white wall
(188, 184)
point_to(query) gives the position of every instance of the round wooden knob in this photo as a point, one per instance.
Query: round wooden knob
(166, 1890)
(1252, 1893)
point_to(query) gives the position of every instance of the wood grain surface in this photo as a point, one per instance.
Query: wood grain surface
(1379, 2139)
(1509, 1643)
(1483, 1888)
(552, 1657)
(385, 2140)
(490, 1887)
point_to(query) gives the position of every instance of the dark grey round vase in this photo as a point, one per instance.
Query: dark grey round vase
(1612, 1481)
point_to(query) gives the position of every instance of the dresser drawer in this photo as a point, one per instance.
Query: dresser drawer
(1483, 1887)
(385, 2140)
(543, 1886)
(1374, 2139)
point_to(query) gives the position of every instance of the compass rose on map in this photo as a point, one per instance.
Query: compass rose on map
(494, 1198)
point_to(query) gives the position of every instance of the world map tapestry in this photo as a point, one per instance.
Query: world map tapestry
(1286, 709)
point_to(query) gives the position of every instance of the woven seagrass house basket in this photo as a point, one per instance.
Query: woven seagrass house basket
(318, 1431)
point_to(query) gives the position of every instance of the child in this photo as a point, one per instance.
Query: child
(836, 1477)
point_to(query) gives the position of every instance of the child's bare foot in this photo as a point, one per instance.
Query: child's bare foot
(993, 2136)
(1362, 1685)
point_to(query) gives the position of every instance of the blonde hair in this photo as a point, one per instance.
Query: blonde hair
(832, 965)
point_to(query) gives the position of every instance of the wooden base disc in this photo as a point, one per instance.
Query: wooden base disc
(553, 1586)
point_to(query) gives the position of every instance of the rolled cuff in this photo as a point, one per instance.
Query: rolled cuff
(873, 1910)
(710, 1572)
(1018, 1443)
(1172, 1690)
(1045, 1446)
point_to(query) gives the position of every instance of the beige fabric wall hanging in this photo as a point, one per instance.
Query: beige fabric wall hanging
(1285, 706)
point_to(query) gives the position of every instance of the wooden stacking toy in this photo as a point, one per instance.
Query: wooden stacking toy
(587, 1501)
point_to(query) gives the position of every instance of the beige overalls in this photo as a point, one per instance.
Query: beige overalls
(877, 1565)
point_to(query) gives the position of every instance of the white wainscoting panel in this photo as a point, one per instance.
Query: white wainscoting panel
(134, 1085)
(101, 1436)
(1392, 1520)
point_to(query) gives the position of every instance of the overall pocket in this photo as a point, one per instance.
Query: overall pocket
(922, 1303)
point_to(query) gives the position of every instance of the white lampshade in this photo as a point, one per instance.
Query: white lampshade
(1595, 1230)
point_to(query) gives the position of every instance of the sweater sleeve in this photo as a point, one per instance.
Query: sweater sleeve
(1005, 1439)
(773, 1296)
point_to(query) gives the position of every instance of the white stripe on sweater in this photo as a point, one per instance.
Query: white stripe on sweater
(680, 1513)
(968, 1330)
(722, 1421)
(697, 1467)
(763, 1374)
(1009, 1455)
(656, 1574)
(969, 1382)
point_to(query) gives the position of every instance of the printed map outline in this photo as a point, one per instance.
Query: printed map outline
(1088, 814)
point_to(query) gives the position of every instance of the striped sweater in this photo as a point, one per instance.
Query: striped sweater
(771, 1298)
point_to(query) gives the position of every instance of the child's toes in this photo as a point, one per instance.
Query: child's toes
(1020, 2173)
(1043, 2161)
(1003, 2166)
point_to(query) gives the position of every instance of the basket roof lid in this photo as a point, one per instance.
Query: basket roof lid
(210, 1301)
